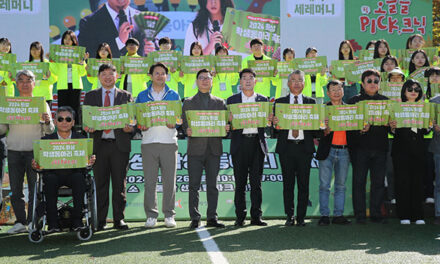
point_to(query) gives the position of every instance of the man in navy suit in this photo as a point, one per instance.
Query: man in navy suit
(295, 149)
(248, 148)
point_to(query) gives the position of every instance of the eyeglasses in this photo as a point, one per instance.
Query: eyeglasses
(205, 78)
(61, 119)
(335, 90)
(375, 81)
(24, 81)
(414, 89)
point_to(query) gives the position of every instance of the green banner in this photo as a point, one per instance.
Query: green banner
(108, 117)
(240, 27)
(171, 58)
(366, 54)
(310, 65)
(67, 54)
(207, 123)
(250, 115)
(151, 23)
(193, 64)
(22, 110)
(159, 113)
(94, 64)
(7, 61)
(285, 68)
(338, 67)
(63, 154)
(3, 90)
(405, 55)
(40, 69)
(345, 117)
(263, 68)
(353, 72)
(135, 65)
(376, 112)
(416, 115)
(300, 116)
(227, 64)
(435, 89)
(418, 74)
(391, 90)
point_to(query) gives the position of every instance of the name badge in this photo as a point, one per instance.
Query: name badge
(222, 86)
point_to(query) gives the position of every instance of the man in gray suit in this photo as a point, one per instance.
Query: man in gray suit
(203, 152)
(112, 149)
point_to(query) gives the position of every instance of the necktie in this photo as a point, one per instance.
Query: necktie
(295, 133)
(122, 17)
(107, 103)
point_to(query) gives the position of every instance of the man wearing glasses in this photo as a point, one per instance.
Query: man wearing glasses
(19, 140)
(203, 152)
(368, 152)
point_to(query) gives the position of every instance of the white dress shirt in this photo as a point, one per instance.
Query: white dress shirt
(300, 132)
(251, 99)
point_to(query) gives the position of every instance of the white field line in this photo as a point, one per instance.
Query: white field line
(211, 247)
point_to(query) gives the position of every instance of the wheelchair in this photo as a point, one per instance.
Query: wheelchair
(89, 211)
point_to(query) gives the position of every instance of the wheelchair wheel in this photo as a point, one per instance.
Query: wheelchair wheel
(36, 218)
(84, 234)
(36, 236)
(93, 206)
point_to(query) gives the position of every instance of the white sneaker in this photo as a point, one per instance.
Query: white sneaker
(405, 222)
(17, 228)
(151, 222)
(170, 222)
(420, 222)
(393, 201)
(429, 200)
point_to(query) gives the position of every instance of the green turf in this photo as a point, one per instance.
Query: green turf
(371, 243)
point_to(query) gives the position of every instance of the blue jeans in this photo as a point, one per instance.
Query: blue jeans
(339, 160)
(437, 184)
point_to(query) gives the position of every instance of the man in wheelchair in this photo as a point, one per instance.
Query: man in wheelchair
(73, 178)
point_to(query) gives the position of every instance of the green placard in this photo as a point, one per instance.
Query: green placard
(94, 64)
(416, 115)
(310, 65)
(135, 65)
(193, 64)
(228, 64)
(108, 117)
(435, 89)
(207, 123)
(151, 23)
(21, 110)
(391, 90)
(263, 68)
(354, 71)
(366, 54)
(418, 74)
(376, 112)
(63, 153)
(67, 54)
(40, 69)
(240, 27)
(300, 116)
(7, 61)
(338, 67)
(249, 115)
(171, 58)
(405, 55)
(3, 90)
(345, 117)
(159, 113)
(285, 68)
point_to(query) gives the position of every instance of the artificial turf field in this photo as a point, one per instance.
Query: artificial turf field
(370, 243)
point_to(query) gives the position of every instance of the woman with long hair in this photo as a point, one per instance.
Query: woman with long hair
(102, 52)
(189, 79)
(381, 49)
(6, 78)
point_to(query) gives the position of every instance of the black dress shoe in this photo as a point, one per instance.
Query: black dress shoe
(290, 221)
(300, 222)
(324, 221)
(214, 223)
(239, 222)
(340, 220)
(121, 225)
(101, 226)
(258, 222)
(194, 224)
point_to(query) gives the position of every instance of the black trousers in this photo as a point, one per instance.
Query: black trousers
(295, 165)
(70, 97)
(53, 180)
(429, 175)
(248, 161)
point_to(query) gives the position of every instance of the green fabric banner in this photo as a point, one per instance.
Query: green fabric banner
(40, 69)
(67, 54)
(7, 61)
(240, 27)
(418, 74)
(207, 123)
(376, 112)
(300, 116)
(228, 64)
(3, 90)
(263, 68)
(310, 65)
(415, 115)
(21, 110)
(94, 64)
(250, 115)
(391, 90)
(354, 71)
(345, 117)
(159, 113)
(108, 117)
(338, 68)
(63, 154)
(435, 89)
(171, 58)
(366, 54)
(135, 65)
(193, 64)
(285, 68)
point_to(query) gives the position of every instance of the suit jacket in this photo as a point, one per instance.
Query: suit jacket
(99, 27)
(123, 140)
(197, 145)
(282, 135)
(236, 135)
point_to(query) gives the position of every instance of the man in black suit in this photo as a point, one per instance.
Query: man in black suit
(295, 149)
(248, 148)
(73, 178)
(112, 148)
(113, 23)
